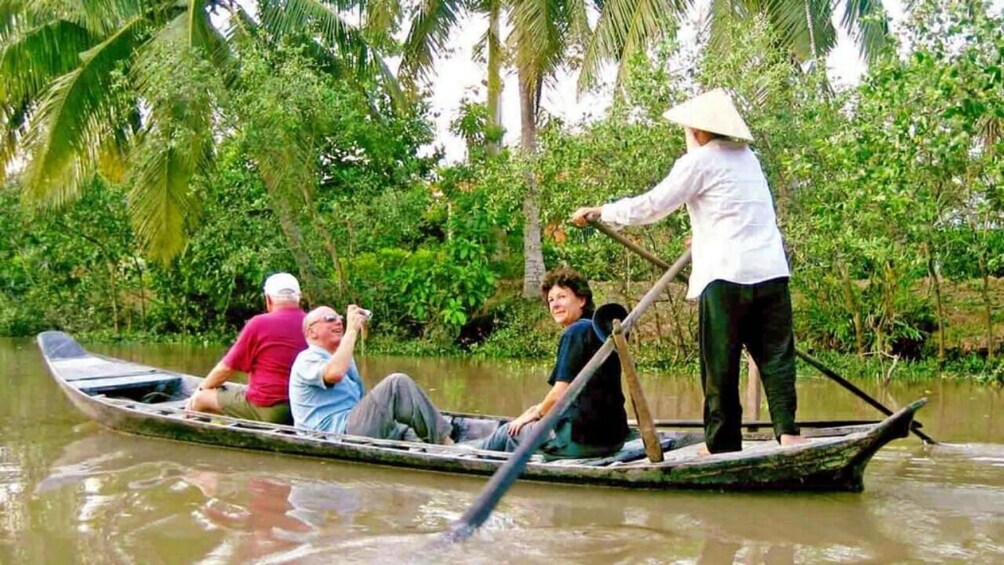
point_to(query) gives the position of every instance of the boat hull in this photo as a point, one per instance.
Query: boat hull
(148, 401)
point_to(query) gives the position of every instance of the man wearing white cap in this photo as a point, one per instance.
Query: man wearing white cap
(740, 272)
(265, 350)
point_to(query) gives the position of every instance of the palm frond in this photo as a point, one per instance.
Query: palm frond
(113, 156)
(177, 140)
(804, 26)
(30, 58)
(377, 67)
(287, 170)
(12, 126)
(12, 15)
(537, 38)
(430, 29)
(72, 119)
(240, 25)
(868, 24)
(308, 17)
(627, 27)
(382, 17)
(195, 27)
(104, 17)
(579, 32)
(719, 19)
(160, 198)
(202, 36)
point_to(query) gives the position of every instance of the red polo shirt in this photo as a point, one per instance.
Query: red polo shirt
(265, 350)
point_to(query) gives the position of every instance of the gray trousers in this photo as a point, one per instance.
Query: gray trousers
(398, 409)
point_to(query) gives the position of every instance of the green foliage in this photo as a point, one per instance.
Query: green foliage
(271, 153)
(141, 86)
(214, 286)
(439, 285)
(473, 125)
(521, 329)
(900, 190)
(73, 271)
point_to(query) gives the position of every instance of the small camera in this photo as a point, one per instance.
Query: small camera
(366, 313)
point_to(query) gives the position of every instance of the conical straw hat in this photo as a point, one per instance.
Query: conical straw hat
(712, 111)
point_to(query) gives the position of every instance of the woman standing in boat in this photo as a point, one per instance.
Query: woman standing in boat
(740, 272)
(596, 423)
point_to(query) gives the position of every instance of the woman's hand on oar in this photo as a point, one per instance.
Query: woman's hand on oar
(583, 216)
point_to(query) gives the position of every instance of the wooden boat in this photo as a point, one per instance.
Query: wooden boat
(148, 401)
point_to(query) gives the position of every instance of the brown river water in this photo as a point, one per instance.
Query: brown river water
(74, 492)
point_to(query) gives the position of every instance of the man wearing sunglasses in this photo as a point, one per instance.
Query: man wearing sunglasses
(326, 392)
(265, 350)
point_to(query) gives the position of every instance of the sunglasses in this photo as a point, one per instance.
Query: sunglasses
(328, 319)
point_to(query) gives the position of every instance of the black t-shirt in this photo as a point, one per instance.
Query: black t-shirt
(597, 415)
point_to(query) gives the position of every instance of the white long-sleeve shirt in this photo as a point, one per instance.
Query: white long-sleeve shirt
(735, 233)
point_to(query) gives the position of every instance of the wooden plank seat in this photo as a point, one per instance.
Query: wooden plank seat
(116, 375)
(96, 367)
(154, 381)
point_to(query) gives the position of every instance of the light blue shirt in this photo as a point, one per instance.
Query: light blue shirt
(315, 404)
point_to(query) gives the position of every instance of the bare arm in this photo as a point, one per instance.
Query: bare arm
(341, 359)
(537, 411)
(220, 374)
(552, 398)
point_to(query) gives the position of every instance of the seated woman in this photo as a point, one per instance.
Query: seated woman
(595, 425)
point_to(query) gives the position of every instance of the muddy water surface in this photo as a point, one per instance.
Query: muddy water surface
(73, 492)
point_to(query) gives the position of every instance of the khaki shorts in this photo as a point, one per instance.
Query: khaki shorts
(235, 404)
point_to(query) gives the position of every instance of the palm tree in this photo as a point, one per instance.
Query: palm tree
(138, 86)
(805, 27)
(628, 27)
(542, 33)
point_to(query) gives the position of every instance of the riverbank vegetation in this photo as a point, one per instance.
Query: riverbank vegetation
(195, 164)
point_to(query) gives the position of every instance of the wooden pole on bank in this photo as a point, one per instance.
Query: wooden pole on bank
(752, 387)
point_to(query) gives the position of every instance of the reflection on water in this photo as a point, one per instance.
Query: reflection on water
(71, 491)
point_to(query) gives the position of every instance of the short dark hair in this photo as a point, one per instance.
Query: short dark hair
(572, 280)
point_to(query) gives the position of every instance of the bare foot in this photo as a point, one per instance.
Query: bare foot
(703, 450)
(790, 439)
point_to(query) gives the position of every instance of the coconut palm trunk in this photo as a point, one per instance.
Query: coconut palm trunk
(494, 75)
(533, 253)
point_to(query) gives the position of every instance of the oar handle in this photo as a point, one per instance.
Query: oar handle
(644, 253)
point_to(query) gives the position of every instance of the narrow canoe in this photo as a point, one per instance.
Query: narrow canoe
(148, 401)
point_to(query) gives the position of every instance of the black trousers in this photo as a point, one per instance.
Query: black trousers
(759, 317)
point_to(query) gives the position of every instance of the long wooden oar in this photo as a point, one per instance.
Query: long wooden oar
(507, 474)
(829, 373)
(644, 253)
(666, 423)
(914, 426)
